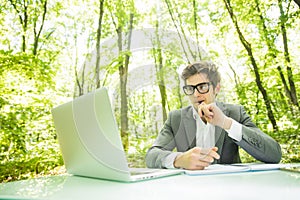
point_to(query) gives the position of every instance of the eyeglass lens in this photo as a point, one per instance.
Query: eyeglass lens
(202, 88)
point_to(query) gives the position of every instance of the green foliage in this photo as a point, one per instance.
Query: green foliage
(30, 87)
(27, 137)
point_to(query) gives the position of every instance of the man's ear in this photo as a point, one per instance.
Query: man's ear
(218, 87)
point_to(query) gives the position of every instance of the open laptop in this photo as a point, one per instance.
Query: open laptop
(90, 141)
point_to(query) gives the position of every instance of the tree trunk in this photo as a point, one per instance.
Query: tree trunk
(248, 48)
(196, 28)
(123, 72)
(179, 35)
(160, 73)
(23, 17)
(123, 82)
(123, 63)
(293, 92)
(97, 70)
(272, 49)
(37, 33)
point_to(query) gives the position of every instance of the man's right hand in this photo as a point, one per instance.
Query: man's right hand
(196, 158)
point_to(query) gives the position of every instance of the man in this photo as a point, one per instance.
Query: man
(208, 131)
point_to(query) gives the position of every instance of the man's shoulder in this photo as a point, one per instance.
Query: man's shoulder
(181, 111)
(177, 114)
(229, 106)
(235, 111)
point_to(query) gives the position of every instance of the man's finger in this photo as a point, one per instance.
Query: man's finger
(212, 152)
(206, 158)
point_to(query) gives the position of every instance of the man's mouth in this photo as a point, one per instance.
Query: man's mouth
(199, 102)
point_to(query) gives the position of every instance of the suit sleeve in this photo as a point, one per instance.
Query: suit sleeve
(255, 142)
(164, 143)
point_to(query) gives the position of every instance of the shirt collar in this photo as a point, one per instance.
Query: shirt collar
(195, 113)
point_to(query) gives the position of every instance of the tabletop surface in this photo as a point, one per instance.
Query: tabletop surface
(272, 184)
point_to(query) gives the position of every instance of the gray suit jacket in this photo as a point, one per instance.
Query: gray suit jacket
(179, 132)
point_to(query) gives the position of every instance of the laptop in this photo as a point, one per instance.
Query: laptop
(90, 141)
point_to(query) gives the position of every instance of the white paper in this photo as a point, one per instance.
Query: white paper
(218, 169)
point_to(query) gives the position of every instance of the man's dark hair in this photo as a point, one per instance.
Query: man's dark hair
(205, 67)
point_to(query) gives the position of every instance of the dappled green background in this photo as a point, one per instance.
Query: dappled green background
(47, 52)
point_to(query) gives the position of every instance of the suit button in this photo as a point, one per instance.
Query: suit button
(253, 141)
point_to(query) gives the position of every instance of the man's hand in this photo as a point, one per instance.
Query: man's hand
(213, 115)
(196, 158)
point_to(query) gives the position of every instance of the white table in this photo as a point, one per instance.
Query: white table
(272, 185)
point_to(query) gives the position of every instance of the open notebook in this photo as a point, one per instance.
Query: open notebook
(240, 167)
(90, 141)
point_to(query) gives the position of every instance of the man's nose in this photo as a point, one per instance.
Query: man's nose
(196, 93)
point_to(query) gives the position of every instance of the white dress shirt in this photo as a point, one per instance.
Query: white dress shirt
(205, 132)
(205, 137)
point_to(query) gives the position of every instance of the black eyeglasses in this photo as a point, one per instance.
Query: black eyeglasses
(202, 88)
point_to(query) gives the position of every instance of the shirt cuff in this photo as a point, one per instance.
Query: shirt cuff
(169, 160)
(235, 131)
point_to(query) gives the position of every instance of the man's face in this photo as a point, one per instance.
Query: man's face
(197, 98)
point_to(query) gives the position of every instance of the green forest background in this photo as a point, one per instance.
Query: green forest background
(53, 51)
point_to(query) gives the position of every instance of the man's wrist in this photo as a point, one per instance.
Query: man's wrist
(235, 131)
(168, 162)
(227, 123)
(175, 163)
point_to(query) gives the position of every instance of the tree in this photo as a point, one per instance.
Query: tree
(291, 90)
(38, 30)
(120, 22)
(49, 46)
(185, 43)
(25, 122)
(101, 11)
(249, 50)
(195, 15)
(268, 35)
(21, 8)
(159, 66)
(28, 13)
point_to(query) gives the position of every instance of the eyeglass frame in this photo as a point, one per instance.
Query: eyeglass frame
(196, 87)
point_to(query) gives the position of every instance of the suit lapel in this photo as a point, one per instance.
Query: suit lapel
(190, 127)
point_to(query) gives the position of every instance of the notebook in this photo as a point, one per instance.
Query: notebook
(237, 168)
(292, 168)
(217, 169)
(90, 141)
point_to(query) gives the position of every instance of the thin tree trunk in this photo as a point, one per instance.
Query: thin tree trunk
(23, 17)
(196, 28)
(178, 89)
(293, 92)
(272, 49)
(184, 35)
(123, 79)
(160, 73)
(80, 84)
(123, 72)
(179, 35)
(248, 48)
(97, 70)
(37, 34)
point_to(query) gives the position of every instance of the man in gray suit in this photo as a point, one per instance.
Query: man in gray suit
(208, 131)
